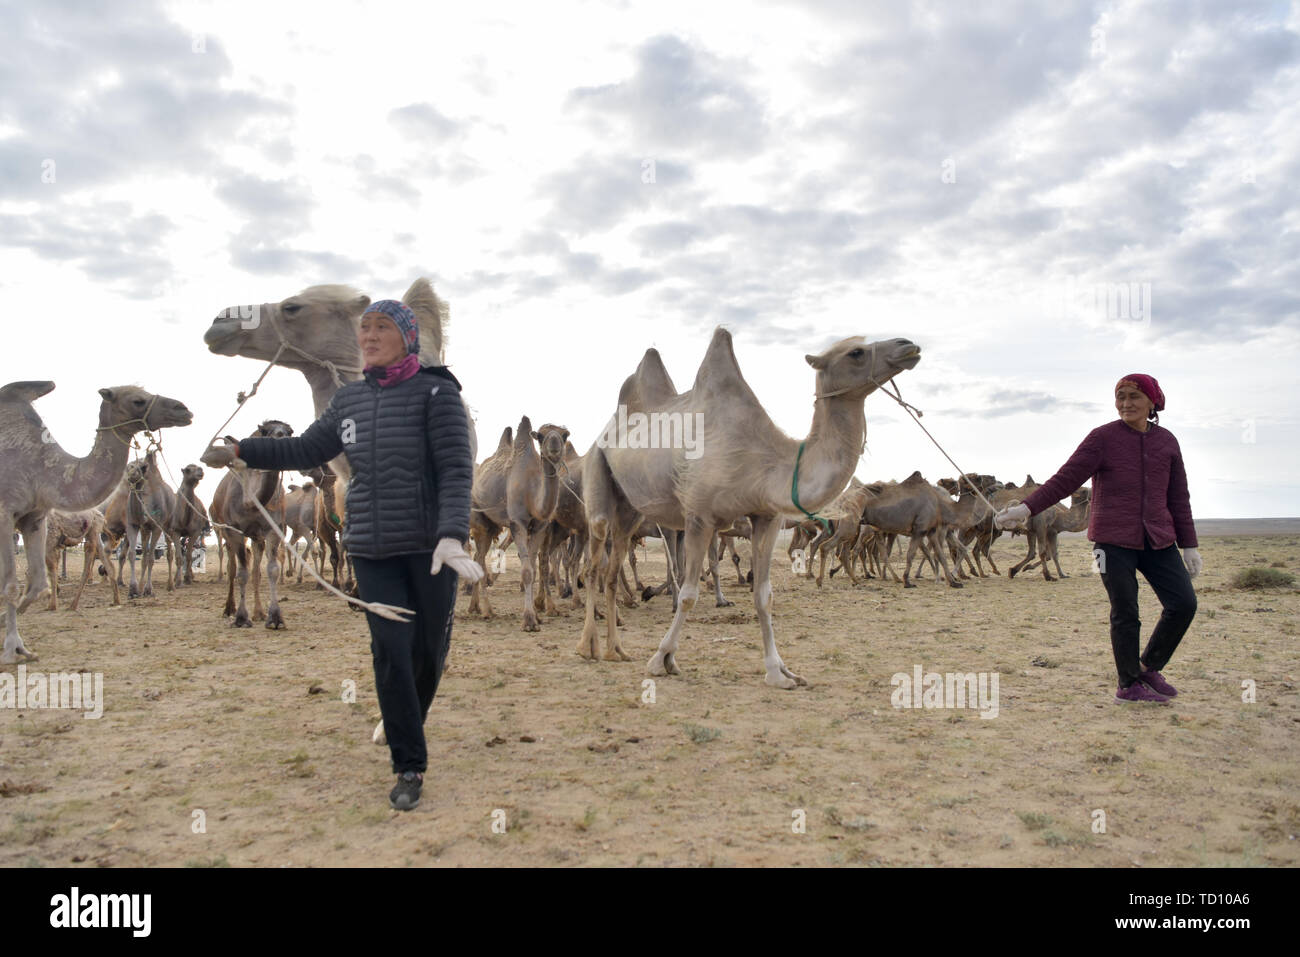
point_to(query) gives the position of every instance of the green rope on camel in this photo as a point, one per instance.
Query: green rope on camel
(794, 493)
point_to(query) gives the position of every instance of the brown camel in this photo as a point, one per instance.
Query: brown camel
(188, 523)
(910, 508)
(1062, 519)
(741, 466)
(239, 520)
(37, 475)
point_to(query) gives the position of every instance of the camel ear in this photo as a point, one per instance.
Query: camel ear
(537, 436)
(106, 395)
(565, 435)
(360, 303)
(817, 362)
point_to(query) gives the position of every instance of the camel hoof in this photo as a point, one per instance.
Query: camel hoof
(628, 603)
(956, 585)
(242, 621)
(586, 648)
(615, 654)
(532, 626)
(1012, 573)
(726, 603)
(133, 592)
(656, 666)
(781, 681)
(647, 593)
(909, 584)
(379, 737)
(274, 621)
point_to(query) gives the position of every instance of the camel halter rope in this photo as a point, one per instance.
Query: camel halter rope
(897, 396)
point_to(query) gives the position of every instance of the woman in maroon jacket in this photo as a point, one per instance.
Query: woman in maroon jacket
(1139, 510)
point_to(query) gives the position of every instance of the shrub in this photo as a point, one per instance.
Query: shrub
(1257, 577)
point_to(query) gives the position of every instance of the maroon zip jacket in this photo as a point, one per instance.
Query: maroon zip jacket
(1138, 482)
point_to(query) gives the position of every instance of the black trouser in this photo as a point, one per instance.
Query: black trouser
(409, 656)
(1164, 570)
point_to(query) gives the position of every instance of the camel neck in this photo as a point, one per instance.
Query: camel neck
(323, 385)
(93, 478)
(831, 451)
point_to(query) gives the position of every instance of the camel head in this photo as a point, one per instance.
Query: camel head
(135, 410)
(320, 320)
(855, 367)
(273, 429)
(137, 475)
(191, 476)
(550, 442)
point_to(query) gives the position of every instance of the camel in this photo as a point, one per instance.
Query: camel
(189, 521)
(1062, 519)
(911, 508)
(233, 508)
(37, 475)
(521, 491)
(150, 503)
(972, 514)
(330, 513)
(483, 532)
(741, 466)
(67, 529)
(300, 516)
(315, 332)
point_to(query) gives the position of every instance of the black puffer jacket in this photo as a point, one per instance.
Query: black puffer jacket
(408, 446)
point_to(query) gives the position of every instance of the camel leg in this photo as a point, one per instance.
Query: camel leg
(241, 613)
(936, 541)
(51, 563)
(13, 646)
(132, 538)
(1029, 557)
(597, 528)
(255, 573)
(33, 529)
(764, 541)
(719, 600)
(697, 540)
(522, 546)
(274, 620)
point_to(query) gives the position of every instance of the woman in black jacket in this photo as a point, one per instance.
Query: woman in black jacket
(404, 431)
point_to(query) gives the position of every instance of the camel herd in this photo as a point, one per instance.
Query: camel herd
(574, 518)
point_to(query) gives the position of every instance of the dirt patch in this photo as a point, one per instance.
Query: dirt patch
(236, 747)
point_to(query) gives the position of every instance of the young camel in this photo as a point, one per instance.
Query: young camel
(741, 466)
(150, 502)
(232, 507)
(37, 475)
(189, 520)
(67, 530)
(300, 517)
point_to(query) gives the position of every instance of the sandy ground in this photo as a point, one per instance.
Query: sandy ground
(235, 747)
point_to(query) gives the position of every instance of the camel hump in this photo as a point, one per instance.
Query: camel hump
(914, 478)
(524, 436)
(507, 439)
(25, 391)
(649, 386)
(432, 314)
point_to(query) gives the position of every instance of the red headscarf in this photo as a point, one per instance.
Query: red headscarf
(1148, 386)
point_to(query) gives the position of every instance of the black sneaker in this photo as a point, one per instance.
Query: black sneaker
(406, 795)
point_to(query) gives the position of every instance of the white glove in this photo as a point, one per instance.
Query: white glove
(1012, 515)
(452, 553)
(1192, 559)
(221, 456)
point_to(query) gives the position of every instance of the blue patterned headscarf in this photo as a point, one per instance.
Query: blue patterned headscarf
(402, 315)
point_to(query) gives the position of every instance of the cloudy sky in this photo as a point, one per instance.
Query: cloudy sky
(1043, 196)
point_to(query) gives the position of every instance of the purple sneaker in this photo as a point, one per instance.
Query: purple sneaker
(1138, 691)
(1157, 683)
